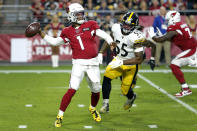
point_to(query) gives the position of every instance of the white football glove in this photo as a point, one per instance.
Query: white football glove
(158, 33)
(151, 32)
(116, 63)
(100, 58)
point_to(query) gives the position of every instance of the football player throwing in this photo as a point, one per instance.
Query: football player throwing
(81, 37)
(130, 43)
(179, 33)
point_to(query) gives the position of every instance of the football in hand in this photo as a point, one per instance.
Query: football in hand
(32, 29)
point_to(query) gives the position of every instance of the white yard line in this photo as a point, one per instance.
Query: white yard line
(169, 95)
(88, 127)
(81, 105)
(152, 126)
(22, 126)
(28, 105)
(193, 86)
(102, 71)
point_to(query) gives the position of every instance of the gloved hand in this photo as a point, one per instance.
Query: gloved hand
(113, 45)
(151, 32)
(116, 63)
(158, 33)
(100, 58)
(152, 63)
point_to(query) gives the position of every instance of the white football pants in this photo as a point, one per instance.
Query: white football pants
(182, 59)
(92, 74)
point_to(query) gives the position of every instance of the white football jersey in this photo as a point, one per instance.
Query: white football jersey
(125, 43)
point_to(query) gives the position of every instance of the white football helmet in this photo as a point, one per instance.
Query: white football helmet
(76, 13)
(173, 17)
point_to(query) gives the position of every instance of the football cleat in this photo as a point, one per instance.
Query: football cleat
(129, 102)
(184, 92)
(95, 114)
(104, 108)
(58, 122)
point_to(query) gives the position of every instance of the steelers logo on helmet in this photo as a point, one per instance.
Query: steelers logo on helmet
(129, 22)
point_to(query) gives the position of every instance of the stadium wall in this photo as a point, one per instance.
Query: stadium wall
(18, 48)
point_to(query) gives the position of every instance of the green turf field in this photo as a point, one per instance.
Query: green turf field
(155, 104)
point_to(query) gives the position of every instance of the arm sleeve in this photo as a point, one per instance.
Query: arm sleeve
(53, 41)
(139, 49)
(104, 35)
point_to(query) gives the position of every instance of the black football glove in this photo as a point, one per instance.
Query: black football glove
(152, 64)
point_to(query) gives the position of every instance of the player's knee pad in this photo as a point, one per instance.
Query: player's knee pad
(74, 84)
(73, 87)
(96, 87)
(175, 62)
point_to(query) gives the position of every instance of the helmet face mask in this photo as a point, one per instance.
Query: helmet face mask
(129, 23)
(78, 17)
(76, 13)
(126, 28)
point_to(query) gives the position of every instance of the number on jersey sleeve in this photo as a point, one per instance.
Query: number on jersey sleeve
(189, 32)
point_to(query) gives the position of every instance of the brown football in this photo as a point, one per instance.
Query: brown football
(32, 29)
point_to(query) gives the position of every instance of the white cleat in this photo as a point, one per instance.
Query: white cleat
(184, 92)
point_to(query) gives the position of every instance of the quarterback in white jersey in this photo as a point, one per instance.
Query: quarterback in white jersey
(130, 43)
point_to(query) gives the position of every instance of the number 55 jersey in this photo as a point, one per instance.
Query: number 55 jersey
(127, 45)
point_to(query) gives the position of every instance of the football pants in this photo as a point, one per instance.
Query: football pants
(92, 74)
(182, 59)
(128, 74)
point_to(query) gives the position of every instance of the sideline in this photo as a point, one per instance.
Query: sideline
(102, 71)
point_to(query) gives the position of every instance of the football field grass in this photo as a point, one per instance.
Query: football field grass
(30, 98)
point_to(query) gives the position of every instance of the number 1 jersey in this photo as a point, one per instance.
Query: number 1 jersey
(82, 40)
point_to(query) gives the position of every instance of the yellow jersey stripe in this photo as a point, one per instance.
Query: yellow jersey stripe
(130, 16)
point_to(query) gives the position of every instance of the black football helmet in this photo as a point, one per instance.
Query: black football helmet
(129, 22)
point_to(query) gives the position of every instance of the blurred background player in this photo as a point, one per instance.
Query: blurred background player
(81, 36)
(54, 29)
(129, 49)
(191, 21)
(159, 23)
(179, 33)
